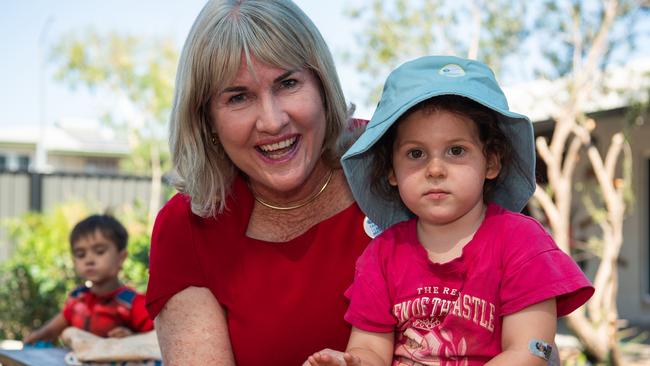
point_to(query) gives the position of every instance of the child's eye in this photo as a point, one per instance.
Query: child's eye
(456, 150)
(415, 154)
(79, 255)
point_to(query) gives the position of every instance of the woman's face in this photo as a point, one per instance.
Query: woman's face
(271, 123)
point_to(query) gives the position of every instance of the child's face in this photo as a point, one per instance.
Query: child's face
(96, 258)
(439, 166)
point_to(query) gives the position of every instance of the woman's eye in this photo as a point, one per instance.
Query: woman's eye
(456, 150)
(415, 154)
(289, 83)
(237, 98)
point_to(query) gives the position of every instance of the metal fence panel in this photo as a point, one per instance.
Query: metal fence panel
(21, 192)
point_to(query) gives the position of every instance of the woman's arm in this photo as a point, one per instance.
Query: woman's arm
(520, 332)
(192, 330)
(50, 331)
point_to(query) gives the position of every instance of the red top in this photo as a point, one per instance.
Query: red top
(451, 313)
(283, 301)
(123, 307)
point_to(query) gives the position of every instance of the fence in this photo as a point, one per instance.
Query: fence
(23, 191)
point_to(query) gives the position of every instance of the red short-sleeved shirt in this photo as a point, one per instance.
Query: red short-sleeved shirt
(451, 313)
(283, 301)
(123, 307)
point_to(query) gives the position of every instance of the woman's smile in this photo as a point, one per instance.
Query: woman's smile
(280, 150)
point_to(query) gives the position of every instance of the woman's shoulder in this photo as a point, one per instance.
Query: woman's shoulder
(179, 202)
(177, 207)
(237, 200)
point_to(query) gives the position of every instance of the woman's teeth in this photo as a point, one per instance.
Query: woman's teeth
(278, 145)
(277, 149)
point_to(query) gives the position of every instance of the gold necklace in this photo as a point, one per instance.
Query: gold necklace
(309, 200)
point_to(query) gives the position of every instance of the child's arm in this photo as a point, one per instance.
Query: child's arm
(119, 332)
(367, 348)
(372, 348)
(50, 331)
(522, 330)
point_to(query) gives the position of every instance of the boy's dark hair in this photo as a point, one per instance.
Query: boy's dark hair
(495, 142)
(112, 229)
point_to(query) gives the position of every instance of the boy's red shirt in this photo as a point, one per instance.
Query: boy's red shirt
(100, 314)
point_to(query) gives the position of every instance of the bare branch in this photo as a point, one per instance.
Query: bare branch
(571, 158)
(599, 44)
(613, 153)
(552, 162)
(472, 52)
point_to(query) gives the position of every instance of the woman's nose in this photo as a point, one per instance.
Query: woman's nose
(272, 115)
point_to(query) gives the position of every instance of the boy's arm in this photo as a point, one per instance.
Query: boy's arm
(140, 321)
(522, 333)
(50, 331)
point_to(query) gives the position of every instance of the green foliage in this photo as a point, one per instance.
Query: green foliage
(36, 279)
(139, 74)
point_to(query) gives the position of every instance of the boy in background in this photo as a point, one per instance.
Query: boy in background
(103, 305)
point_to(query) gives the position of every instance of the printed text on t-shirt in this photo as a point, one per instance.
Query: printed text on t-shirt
(429, 306)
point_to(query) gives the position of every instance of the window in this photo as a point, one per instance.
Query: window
(23, 162)
(3, 162)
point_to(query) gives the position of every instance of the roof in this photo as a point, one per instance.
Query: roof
(623, 85)
(70, 136)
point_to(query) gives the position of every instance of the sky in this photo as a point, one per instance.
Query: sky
(29, 26)
(30, 96)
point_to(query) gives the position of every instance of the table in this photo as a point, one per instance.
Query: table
(33, 357)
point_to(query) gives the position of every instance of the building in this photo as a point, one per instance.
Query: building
(70, 145)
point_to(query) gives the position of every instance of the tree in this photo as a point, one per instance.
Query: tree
(580, 40)
(589, 34)
(402, 30)
(139, 74)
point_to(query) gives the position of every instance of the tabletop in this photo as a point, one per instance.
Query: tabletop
(34, 357)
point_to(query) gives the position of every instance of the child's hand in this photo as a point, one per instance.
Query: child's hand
(119, 332)
(31, 338)
(326, 359)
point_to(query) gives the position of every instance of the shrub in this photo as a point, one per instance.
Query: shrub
(36, 279)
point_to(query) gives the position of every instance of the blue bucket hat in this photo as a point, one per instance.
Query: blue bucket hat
(422, 79)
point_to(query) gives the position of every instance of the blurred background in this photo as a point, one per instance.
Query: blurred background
(86, 89)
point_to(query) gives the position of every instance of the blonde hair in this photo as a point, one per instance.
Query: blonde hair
(277, 33)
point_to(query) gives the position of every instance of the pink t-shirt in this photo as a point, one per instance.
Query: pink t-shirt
(451, 313)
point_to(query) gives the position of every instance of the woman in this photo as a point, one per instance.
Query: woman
(250, 261)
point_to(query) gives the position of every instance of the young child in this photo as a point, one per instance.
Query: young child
(459, 278)
(103, 306)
